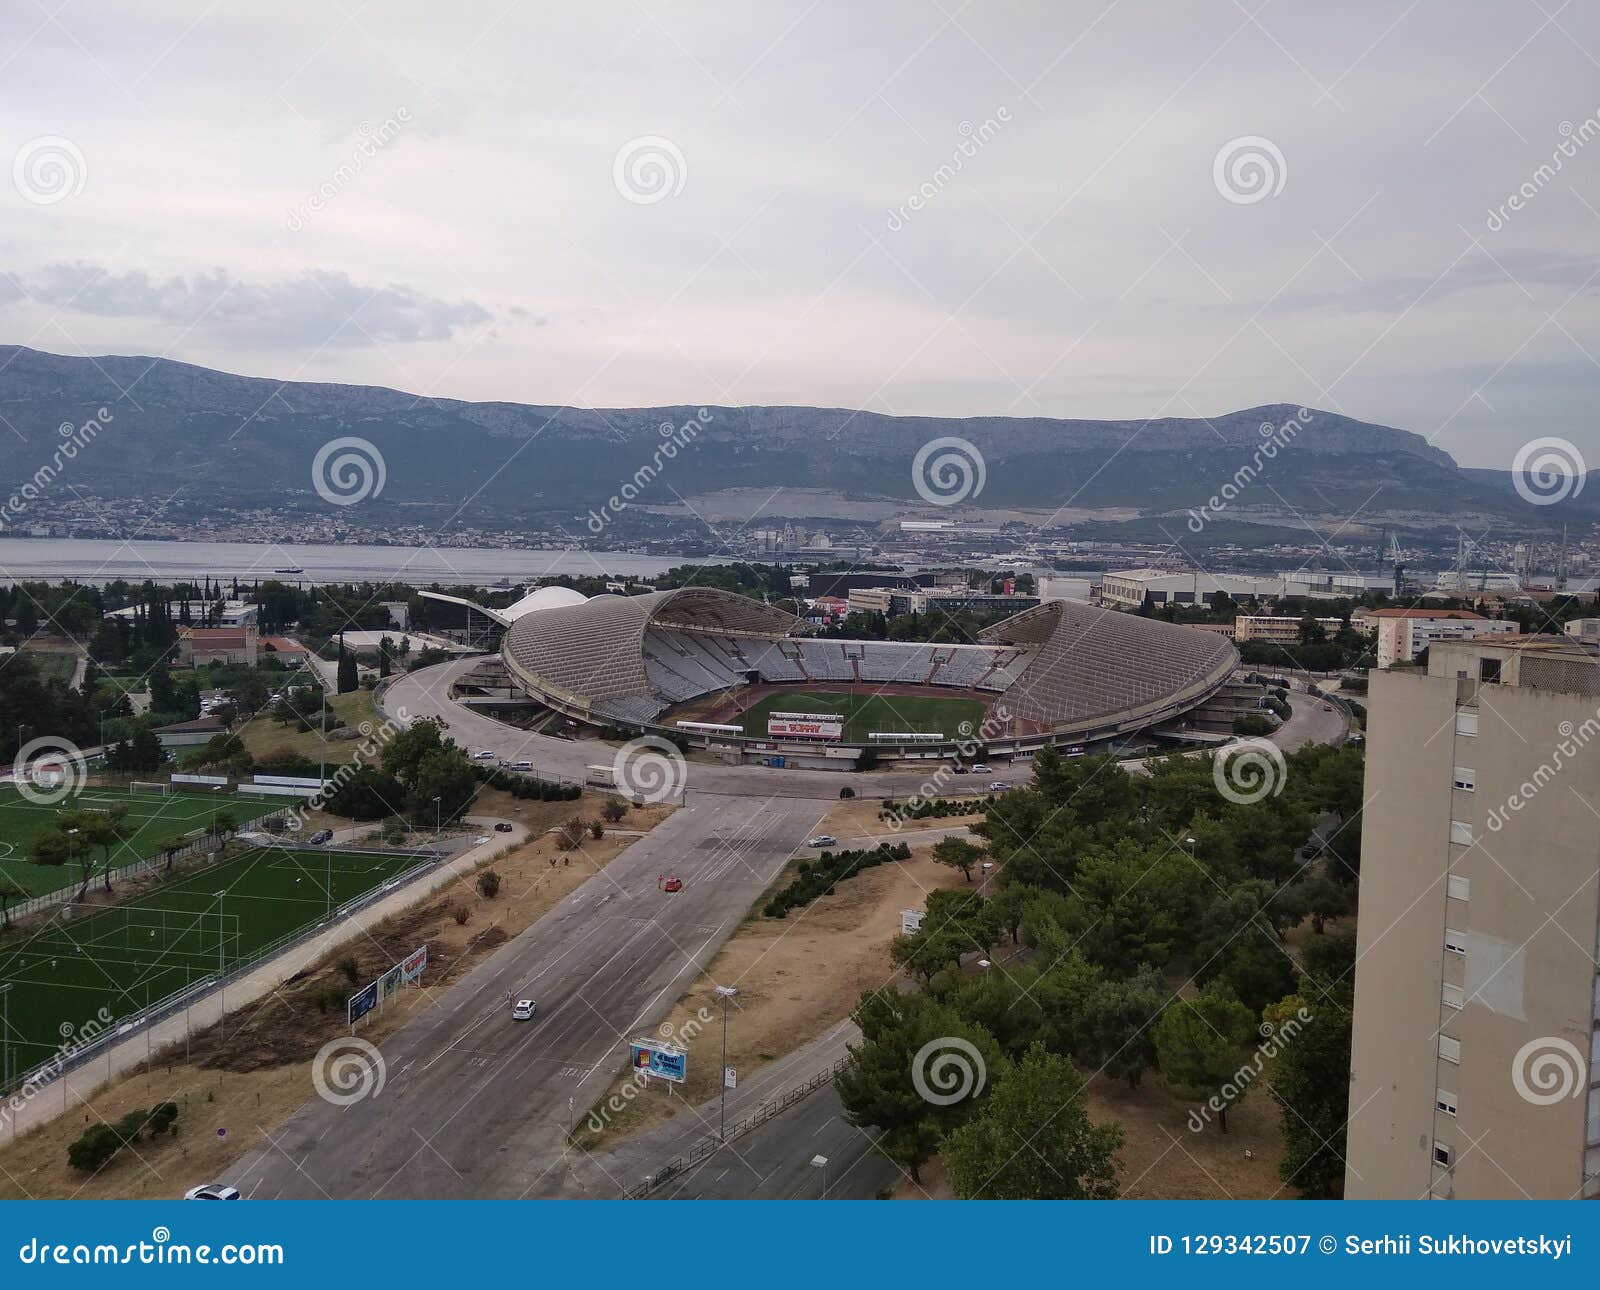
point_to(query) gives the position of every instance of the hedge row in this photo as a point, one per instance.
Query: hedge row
(816, 878)
(937, 808)
(522, 786)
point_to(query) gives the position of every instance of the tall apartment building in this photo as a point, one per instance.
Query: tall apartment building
(1473, 1061)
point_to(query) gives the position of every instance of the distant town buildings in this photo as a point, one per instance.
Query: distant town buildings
(1404, 633)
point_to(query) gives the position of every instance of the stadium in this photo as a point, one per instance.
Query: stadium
(738, 676)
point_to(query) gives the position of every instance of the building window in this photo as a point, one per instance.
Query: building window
(1445, 1101)
(1466, 722)
(1453, 996)
(1458, 888)
(1442, 1155)
(1450, 1049)
(1461, 832)
(1455, 942)
(1489, 670)
(1465, 778)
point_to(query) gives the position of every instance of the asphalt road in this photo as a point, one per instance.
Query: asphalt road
(476, 1105)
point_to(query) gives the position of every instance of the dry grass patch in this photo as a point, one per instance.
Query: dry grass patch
(263, 737)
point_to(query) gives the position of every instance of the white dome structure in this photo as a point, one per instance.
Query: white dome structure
(543, 598)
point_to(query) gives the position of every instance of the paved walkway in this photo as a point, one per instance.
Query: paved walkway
(120, 1058)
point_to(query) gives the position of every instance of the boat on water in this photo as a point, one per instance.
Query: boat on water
(296, 569)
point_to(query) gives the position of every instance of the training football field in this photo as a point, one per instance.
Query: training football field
(867, 711)
(156, 822)
(126, 957)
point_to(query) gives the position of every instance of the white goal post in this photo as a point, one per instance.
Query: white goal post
(146, 786)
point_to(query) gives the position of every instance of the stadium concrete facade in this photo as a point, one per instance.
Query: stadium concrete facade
(1061, 673)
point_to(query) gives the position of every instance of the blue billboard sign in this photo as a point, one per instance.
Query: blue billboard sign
(362, 1003)
(658, 1060)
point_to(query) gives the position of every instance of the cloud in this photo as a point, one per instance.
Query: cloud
(314, 308)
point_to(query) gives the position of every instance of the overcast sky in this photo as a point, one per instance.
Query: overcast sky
(1068, 209)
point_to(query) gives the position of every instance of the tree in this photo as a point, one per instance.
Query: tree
(958, 853)
(408, 749)
(1311, 1085)
(1117, 1029)
(10, 890)
(349, 676)
(1197, 1046)
(446, 775)
(1032, 1139)
(106, 829)
(145, 752)
(917, 1073)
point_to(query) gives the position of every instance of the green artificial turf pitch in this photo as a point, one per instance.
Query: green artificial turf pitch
(157, 822)
(125, 957)
(866, 712)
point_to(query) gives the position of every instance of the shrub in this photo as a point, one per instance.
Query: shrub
(597, 830)
(93, 1148)
(611, 812)
(460, 914)
(350, 969)
(488, 884)
(847, 791)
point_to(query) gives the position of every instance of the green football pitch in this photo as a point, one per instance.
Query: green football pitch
(866, 712)
(126, 957)
(155, 822)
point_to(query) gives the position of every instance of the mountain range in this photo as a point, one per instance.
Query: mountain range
(248, 440)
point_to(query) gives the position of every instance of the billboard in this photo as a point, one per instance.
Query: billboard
(411, 967)
(362, 1003)
(659, 1060)
(389, 984)
(805, 725)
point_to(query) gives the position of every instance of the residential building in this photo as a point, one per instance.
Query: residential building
(1405, 633)
(1473, 1059)
(234, 613)
(197, 645)
(1281, 628)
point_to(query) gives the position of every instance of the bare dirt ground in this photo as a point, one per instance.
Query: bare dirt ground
(859, 819)
(795, 976)
(253, 1071)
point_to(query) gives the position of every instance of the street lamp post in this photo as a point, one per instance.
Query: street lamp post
(724, 993)
(821, 1162)
(5, 1041)
(438, 819)
(221, 980)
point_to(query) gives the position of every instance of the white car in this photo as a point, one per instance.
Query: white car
(523, 1010)
(980, 769)
(484, 755)
(211, 1191)
(823, 840)
(998, 786)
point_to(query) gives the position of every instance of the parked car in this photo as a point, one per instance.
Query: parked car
(523, 1010)
(502, 827)
(672, 884)
(321, 836)
(1327, 707)
(998, 786)
(483, 754)
(979, 768)
(211, 1191)
(959, 769)
(823, 840)
(522, 765)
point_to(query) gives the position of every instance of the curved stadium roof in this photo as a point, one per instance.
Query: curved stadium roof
(1088, 667)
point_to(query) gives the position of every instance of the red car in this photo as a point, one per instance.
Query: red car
(672, 884)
